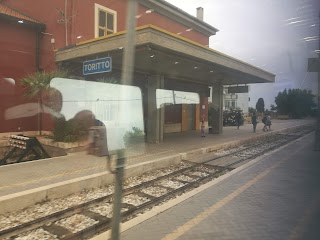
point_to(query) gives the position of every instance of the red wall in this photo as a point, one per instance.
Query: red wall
(17, 59)
(46, 12)
(81, 22)
(84, 26)
(169, 25)
(17, 50)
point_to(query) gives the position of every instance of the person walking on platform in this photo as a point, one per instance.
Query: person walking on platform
(264, 120)
(254, 121)
(202, 129)
(268, 123)
(202, 126)
(238, 119)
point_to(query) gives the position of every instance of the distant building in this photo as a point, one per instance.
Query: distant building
(236, 100)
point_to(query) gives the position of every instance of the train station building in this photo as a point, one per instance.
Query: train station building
(174, 69)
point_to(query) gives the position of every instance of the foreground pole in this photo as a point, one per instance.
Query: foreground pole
(317, 134)
(126, 78)
(117, 196)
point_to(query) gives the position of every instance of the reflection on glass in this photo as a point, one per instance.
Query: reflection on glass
(7, 86)
(117, 107)
(169, 97)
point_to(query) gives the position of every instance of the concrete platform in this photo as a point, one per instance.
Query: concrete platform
(275, 196)
(24, 184)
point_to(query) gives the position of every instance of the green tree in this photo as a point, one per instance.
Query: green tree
(296, 103)
(37, 84)
(229, 117)
(273, 108)
(260, 105)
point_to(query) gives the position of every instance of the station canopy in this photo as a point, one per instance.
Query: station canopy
(161, 52)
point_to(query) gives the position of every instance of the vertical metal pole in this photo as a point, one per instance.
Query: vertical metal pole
(126, 78)
(129, 47)
(116, 216)
(66, 20)
(317, 133)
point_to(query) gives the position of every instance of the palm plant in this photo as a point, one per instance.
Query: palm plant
(36, 84)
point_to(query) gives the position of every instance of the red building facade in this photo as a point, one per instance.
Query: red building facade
(32, 30)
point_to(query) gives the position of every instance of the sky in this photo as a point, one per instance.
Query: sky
(276, 35)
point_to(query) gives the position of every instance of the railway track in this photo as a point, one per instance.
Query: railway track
(87, 219)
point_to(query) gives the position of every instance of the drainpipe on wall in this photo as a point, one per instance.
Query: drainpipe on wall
(39, 29)
(66, 20)
(37, 55)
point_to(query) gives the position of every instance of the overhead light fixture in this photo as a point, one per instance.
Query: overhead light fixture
(139, 16)
(149, 10)
(10, 80)
(20, 21)
(211, 71)
(195, 67)
(188, 30)
(176, 62)
(313, 25)
(152, 56)
(120, 48)
(79, 37)
(179, 33)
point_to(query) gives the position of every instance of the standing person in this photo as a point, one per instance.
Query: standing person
(254, 121)
(268, 124)
(202, 126)
(202, 129)
(264, 120)
(238, 119)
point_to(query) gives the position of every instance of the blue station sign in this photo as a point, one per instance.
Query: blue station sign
(100, 65)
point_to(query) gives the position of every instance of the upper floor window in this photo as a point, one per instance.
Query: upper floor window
(230, 104)
(105, 21)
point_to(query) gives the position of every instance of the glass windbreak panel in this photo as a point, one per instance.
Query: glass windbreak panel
(169, 97)
(117, 108)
